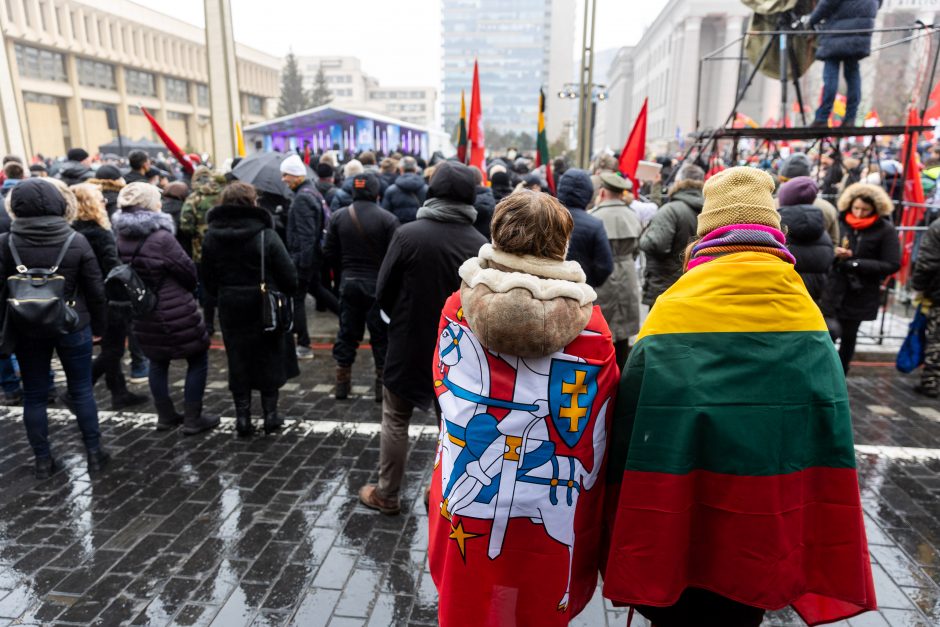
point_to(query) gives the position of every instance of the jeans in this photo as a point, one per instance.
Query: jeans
(138, 360)
(35, 356)
(357, 310)
(8, 377)
(310, 283)
(197, 372)
(108, 361)
(853, 81)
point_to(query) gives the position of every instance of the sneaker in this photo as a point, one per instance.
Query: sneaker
(139, 373)
(304, 352)
(925, 391)
(368, 496)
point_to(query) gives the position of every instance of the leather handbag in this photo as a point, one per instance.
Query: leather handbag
(277, 308)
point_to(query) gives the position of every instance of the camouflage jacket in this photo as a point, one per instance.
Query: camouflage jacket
(207, 187)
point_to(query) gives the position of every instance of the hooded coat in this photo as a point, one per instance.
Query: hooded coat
(589, 245)
(231, 258)
(810, 244)
(38, 200)
(74, 172)
(405, 197)
(666, 238)
(619, 296)
(855, 283)
(175, 329)
(485, 204)
(844, 15)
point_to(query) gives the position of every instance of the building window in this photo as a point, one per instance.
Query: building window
(177, 90)
(176, 115)
(255, 105)
(140, 83)
(202, 95)
(96, 74)
(40, 64)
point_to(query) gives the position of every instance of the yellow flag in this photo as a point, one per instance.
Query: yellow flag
(240, 139)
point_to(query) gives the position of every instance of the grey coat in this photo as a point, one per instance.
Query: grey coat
(619, 296)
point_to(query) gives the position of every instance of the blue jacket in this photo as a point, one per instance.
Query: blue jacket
(405, 196)
(589, 245)
(844, 15)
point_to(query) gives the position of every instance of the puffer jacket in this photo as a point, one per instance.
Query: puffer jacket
(664, 242)
(810, 244)
(405, 197)
(926, 276)
(844, 15)
(73, 173)
(175, 329)
(589, 245)
(342, 196)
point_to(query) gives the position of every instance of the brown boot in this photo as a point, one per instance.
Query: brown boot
(343, 382)
(369, 497)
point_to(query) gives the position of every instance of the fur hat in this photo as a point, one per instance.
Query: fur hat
(139, 194)
(739, 195)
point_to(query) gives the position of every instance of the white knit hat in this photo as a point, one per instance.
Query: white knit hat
(140, 194)
(293, 166)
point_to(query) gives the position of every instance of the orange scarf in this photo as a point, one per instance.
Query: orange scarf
(860, 224)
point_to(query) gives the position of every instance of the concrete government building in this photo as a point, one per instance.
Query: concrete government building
(72, 60)
(663, 66)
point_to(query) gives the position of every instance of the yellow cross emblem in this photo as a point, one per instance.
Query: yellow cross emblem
(574, 412)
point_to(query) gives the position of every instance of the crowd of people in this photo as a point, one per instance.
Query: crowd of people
(153, 261)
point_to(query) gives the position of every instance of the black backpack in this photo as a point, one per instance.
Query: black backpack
(127, 291)
(37, 305)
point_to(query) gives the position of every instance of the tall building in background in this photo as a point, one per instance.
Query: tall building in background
(352, 88)
(521, 46)
(70, 61)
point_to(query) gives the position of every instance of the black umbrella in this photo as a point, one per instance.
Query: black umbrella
(263, 170)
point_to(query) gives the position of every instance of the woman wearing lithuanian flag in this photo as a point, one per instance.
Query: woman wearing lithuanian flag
(732, 442)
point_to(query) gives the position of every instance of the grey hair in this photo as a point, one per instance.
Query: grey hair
(409, 164)
(690, 172)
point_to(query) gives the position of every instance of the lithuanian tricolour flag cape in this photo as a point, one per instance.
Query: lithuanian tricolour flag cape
(732, 447)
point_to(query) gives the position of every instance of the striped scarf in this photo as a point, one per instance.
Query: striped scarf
(739, 238)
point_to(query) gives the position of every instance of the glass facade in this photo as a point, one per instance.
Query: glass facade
(177, 90)
(511, 41)
(95, 74)
(140, 83)
(202, 95)
(40, 64)
(255, 105)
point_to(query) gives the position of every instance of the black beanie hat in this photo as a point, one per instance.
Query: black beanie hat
(77, 154)
(453, 181)
(107, 173)
(365, 187)
(324, 170)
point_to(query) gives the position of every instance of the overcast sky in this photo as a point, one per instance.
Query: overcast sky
(398, 41)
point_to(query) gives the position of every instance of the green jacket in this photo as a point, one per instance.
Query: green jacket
(207, 187)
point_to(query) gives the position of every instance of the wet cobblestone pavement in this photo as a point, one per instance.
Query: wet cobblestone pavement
(214, 530)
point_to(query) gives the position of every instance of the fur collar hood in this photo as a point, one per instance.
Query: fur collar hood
(135, 223)
(883, 204)
(523, 305)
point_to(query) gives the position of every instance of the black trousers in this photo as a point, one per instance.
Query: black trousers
(847, 344)
(358, 310)
(701, 608)
(108, 361)
(310, 283)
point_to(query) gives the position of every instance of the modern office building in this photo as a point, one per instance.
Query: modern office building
(521, 46)
(352, 88)
(71, 61)
(664, 67)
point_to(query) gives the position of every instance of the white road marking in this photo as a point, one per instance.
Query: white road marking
(927, 412)
(882, 410)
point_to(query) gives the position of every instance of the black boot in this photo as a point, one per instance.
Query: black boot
(97, 460)
(242, 402)
(167, 416)
(126, 398)
(194, 421)
(343, 382)
(272, 422)
(46, 467)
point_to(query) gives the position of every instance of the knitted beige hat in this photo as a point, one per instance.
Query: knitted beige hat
(739, 195)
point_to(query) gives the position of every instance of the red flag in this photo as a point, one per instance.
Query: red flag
(181, 156)
(519, 541)
(307, 154)
(635, 148)
(913, 192)
(475, 133)
(932, 113)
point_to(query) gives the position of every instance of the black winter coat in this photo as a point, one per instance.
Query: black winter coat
(855, 284)
(343, 196)
(417, 276)
(79, 267)
(485, 204)
(589, 245)
(810, 244)
(102, 242)
(844, 15)
(73, 173)
(405, 196)
(305, 228)
(175, 329)
(231, 258)
(356, 254)
(926, 276)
